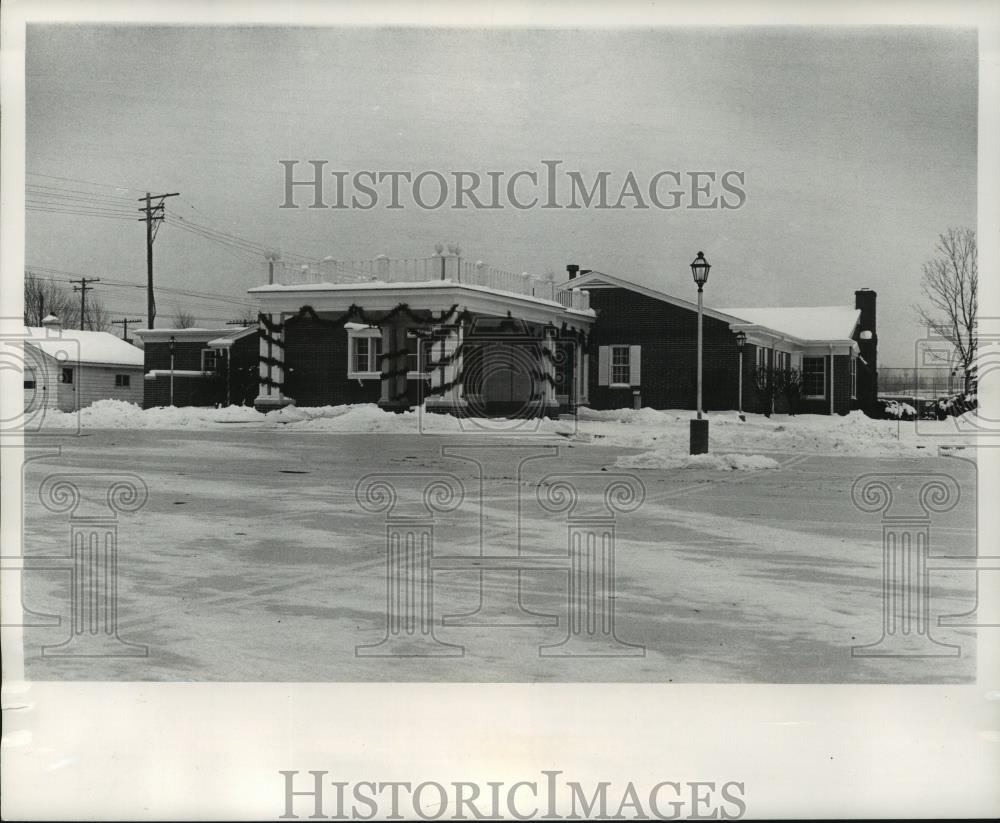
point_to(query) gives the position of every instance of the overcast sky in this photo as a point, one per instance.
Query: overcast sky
(858, 147)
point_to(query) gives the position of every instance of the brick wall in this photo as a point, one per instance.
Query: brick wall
(202, 391)
(187, 355)
(316, 366)
(188, 391)
(668, 336)
(842, 402)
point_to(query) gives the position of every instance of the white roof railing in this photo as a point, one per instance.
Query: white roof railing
(450, 267)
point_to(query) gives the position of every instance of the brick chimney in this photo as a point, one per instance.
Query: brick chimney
(573, 269)
(864, 299)
(867, 339)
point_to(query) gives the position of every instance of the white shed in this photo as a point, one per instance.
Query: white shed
(67, 369)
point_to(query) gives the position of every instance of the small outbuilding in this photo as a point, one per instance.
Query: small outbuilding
(68, 369)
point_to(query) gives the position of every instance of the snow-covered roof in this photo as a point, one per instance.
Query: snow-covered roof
(597, 279)
(97, 347)
(226, 341)
(807, 323)
(189, 334)
(803, 322)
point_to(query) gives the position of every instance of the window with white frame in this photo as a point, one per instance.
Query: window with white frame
(209, 359)
(620, 366)
(814, 376)
(417, 355)
(364, 354)
(761, 357)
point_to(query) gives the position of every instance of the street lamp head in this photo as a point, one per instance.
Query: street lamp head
(699, 269)
(741, 340)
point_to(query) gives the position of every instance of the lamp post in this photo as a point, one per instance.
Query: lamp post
(172, 341)
(741, 341)
(699, 426)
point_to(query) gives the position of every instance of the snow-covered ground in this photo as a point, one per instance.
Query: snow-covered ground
(664, 433)
(253, 560)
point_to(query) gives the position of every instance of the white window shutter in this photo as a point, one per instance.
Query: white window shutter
(635, 365)
(350, 352)
(604, 366)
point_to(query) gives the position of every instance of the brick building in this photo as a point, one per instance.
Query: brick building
(643, 351)
(467, 339)
(455, 336)
(211, 367)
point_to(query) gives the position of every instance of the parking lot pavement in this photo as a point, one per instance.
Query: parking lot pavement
(252, 560)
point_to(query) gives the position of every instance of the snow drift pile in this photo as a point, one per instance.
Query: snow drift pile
(664, 433)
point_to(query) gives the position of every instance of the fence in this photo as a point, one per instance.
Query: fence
(422, 269)
(928, 381)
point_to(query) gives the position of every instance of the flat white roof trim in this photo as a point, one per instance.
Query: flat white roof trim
(405, 286)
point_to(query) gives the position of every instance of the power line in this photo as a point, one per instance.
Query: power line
(82, 204)
(224, 235)
(250, 245)
(79, 213)
(115, 283)
(51, 191)
(72, 202)
(78, 180)
(234, 249)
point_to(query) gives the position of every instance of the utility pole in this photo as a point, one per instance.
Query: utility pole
(83, 288)
(124, 323)
(154, 213)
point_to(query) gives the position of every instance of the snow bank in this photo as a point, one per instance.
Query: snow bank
(664, 459)
(852, 434)
(665, 433)
(117, 414)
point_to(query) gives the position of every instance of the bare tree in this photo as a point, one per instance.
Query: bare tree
(950, 284)
(96, 317)
(183, 319)
(44, 296)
